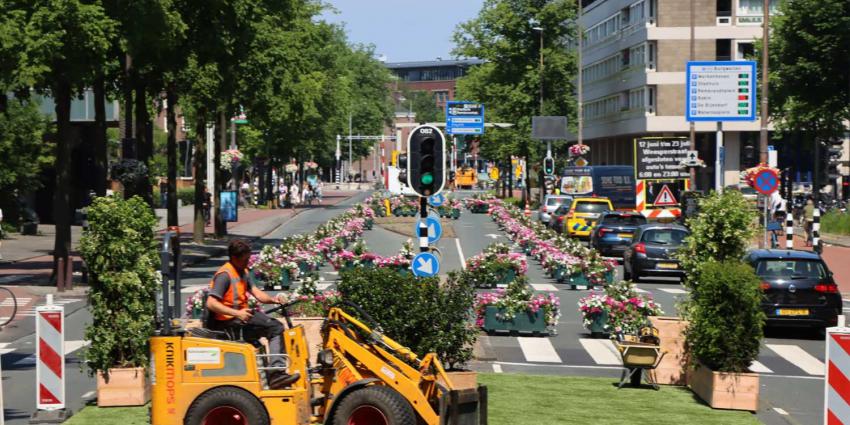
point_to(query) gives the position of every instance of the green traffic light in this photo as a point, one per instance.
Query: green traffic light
(427, 178)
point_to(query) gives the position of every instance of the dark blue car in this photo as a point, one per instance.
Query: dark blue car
(799, 289)
(614, 231)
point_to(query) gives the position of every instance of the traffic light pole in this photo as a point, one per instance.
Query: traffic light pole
(423, 224)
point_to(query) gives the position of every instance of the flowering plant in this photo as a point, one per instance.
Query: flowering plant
(579, 150)
(627, 310)
(344, 258)
(229, 159)
(749, 175)
(290, 168)
(518, 298)
(196, 302)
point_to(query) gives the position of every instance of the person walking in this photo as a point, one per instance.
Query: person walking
(163, 193)
(207, 206)
(228, 304)
(809, 214)
(319, 187)
(294, 196)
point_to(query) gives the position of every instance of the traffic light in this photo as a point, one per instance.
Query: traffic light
(835, 148)
(426, 150)
(549, 166)
(402, 168)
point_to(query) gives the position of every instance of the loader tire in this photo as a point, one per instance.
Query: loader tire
(375, 405)
(226, 406)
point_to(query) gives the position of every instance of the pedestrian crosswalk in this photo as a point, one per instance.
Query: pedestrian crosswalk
(5, 307)
(776, 359)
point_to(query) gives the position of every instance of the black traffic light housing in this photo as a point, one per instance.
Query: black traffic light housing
(835, 148)
(402, 168)
(426, 170)
(549, 166)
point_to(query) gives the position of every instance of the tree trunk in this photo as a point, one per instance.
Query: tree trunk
(144, 140)
(62, 194)
(200, 173)
(510, 178)
(128, 145)
(171, 115)
(220, 225)
(101, 162)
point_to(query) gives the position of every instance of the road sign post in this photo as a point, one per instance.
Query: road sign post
(425, 264)
(766, 182)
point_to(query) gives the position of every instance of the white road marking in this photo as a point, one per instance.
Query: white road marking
(4, 349)
(758, 367)
(781, 411)
(497, 368)
(332, 273)
(544, 287)
(641, 291)
(323, 286)
(538, 350)
(460, 254)
(673, 290)
(845, 300)
(602, 351)
(192, 289)
(71, 346)
(18, 301)
(798, 357)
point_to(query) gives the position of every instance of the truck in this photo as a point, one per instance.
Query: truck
(615, 182)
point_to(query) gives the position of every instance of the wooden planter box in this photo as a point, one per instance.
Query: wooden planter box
(527, 322)
(123, 387)
(462, 379)
(722, 390)
(673, 367)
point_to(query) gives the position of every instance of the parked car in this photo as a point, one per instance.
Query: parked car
(652, 249)
(614, 231)
(550, 204)
(584, 212)
(799, 289)
(559, 217)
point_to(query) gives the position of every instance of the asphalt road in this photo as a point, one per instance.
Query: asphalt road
(790, 362)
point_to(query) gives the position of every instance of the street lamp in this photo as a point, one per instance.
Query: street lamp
(538, 28)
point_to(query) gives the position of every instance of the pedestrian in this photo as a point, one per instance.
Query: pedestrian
(207, 206)
(163, 193)
(228, 305)
(809, 214)
(294, 195)
(319, 187)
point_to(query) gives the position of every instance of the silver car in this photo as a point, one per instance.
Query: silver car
(550, 204)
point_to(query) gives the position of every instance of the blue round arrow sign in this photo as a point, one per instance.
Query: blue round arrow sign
(437, 200)
(435, 229)
(425, 264)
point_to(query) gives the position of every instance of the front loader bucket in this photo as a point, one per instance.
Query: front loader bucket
(466, 406)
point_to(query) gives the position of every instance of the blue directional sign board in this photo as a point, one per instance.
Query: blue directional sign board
(435, 229)
(464, 117)
(437, 200)
(425, 264)
(721, 91)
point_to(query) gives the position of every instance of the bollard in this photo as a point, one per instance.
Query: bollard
(837, 369)
(789, 229)
(816, 232)
(50, 364)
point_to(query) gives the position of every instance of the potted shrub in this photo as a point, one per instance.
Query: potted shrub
(496, 266)
(120, 250)
(724, 335)
(517, 309)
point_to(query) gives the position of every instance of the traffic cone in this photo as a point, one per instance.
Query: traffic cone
(527, 210)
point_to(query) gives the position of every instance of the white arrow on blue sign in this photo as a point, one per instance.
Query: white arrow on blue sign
(425, 264)
(435, 229)
(437, 200)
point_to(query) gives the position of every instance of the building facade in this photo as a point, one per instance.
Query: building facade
(634, 56)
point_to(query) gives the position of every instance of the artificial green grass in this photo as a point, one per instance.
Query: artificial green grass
(110, 416)
(541, 400)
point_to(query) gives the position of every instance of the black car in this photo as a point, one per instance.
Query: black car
(614, 231)
(652, 249)
(558, 217)
(799, 290)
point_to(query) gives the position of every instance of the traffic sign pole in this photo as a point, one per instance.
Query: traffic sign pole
(718, 160)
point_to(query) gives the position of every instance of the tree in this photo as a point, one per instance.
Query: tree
(65, 42)
(809, 59)
(509, 83)
(423, 105)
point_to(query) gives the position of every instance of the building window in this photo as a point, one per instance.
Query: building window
(723, 47)
(441, 96)
(745, 50)
(750, 12)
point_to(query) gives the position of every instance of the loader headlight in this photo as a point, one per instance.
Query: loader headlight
(326, 358)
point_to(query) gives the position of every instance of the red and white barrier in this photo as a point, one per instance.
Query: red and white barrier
(837, 383)
(50, 357)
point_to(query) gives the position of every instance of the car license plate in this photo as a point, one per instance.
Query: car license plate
(792, 312)
(624, 235)
(668, 266)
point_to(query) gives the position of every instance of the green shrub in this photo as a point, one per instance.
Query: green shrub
(726, 321)
(186, 195)
(424, 315)
(722, 231)
(835, 222)
(120, 250)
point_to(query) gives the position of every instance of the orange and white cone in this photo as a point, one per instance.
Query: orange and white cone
(527, 210)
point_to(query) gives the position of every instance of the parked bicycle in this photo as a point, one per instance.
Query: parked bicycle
(8, 306)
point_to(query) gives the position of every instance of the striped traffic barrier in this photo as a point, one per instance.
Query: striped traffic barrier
(789, 229)
(50, 363)
(836, 407)
(816, 231)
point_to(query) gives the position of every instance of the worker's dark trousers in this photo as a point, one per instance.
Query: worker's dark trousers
(261, 325)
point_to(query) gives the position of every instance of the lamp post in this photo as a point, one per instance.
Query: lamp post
(764, 83)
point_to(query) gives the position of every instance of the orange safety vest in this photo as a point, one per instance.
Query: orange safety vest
(236, 296)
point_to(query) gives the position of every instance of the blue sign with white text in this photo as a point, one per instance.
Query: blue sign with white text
(425, 264)
(464, 117)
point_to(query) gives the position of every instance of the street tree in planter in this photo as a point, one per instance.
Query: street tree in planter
(119, 249)
(724, 334)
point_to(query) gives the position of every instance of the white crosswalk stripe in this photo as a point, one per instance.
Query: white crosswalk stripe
(538, 350)
(799, 357)
(323, 285)
(544, 287)
(4, 348)
(71, 346)
(602, 351)
(192, 289)
(673, 290)
(641, 291)
(18, 301)
(758, 367)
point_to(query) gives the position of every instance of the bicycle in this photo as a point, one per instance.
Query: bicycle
(7, 302)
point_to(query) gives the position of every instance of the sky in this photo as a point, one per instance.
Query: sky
(390, 25)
